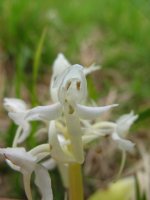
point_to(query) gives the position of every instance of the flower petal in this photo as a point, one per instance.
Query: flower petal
(89, 138)
(86, 112)
(27, 185)
(130, 118)
(44, 113)
(60, 64)
(49, 164)
(19, 157)
(72, 85)
(22, 161)
(25, 133)
(43, 181)
(18, 118)
(14, 105)
(12, 166)
(125, 122)
(63, 170)
(40, 149)
(54, 93)
(40, 152)
(92, 68)
(57, 150)
(122, 143)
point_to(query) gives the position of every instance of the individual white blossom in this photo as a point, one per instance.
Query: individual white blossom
(118, 131)
(123, 125)
(26, 163)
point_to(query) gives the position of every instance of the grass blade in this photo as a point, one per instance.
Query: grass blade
(36, 64)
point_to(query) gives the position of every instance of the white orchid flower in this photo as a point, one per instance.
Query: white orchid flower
(123, 125)
(117, 131)
(17, 110)
(26, 163)
(59, 66)
(71, 91)
(123, 144)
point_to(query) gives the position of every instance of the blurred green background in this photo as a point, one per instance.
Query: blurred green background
(111, 33)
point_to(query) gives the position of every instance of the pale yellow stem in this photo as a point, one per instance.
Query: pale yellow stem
(75, 182)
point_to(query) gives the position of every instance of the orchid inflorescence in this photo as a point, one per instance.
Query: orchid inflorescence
(69, 123)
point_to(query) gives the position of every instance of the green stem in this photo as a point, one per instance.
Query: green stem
(75, 182)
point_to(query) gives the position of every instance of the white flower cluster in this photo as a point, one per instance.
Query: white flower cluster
(70, 127)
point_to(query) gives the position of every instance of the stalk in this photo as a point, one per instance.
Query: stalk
(75, 182)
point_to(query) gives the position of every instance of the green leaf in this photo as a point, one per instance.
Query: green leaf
(144, 196)
(38, 54)
(137, 189)
(36, 64)
(139, 195)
